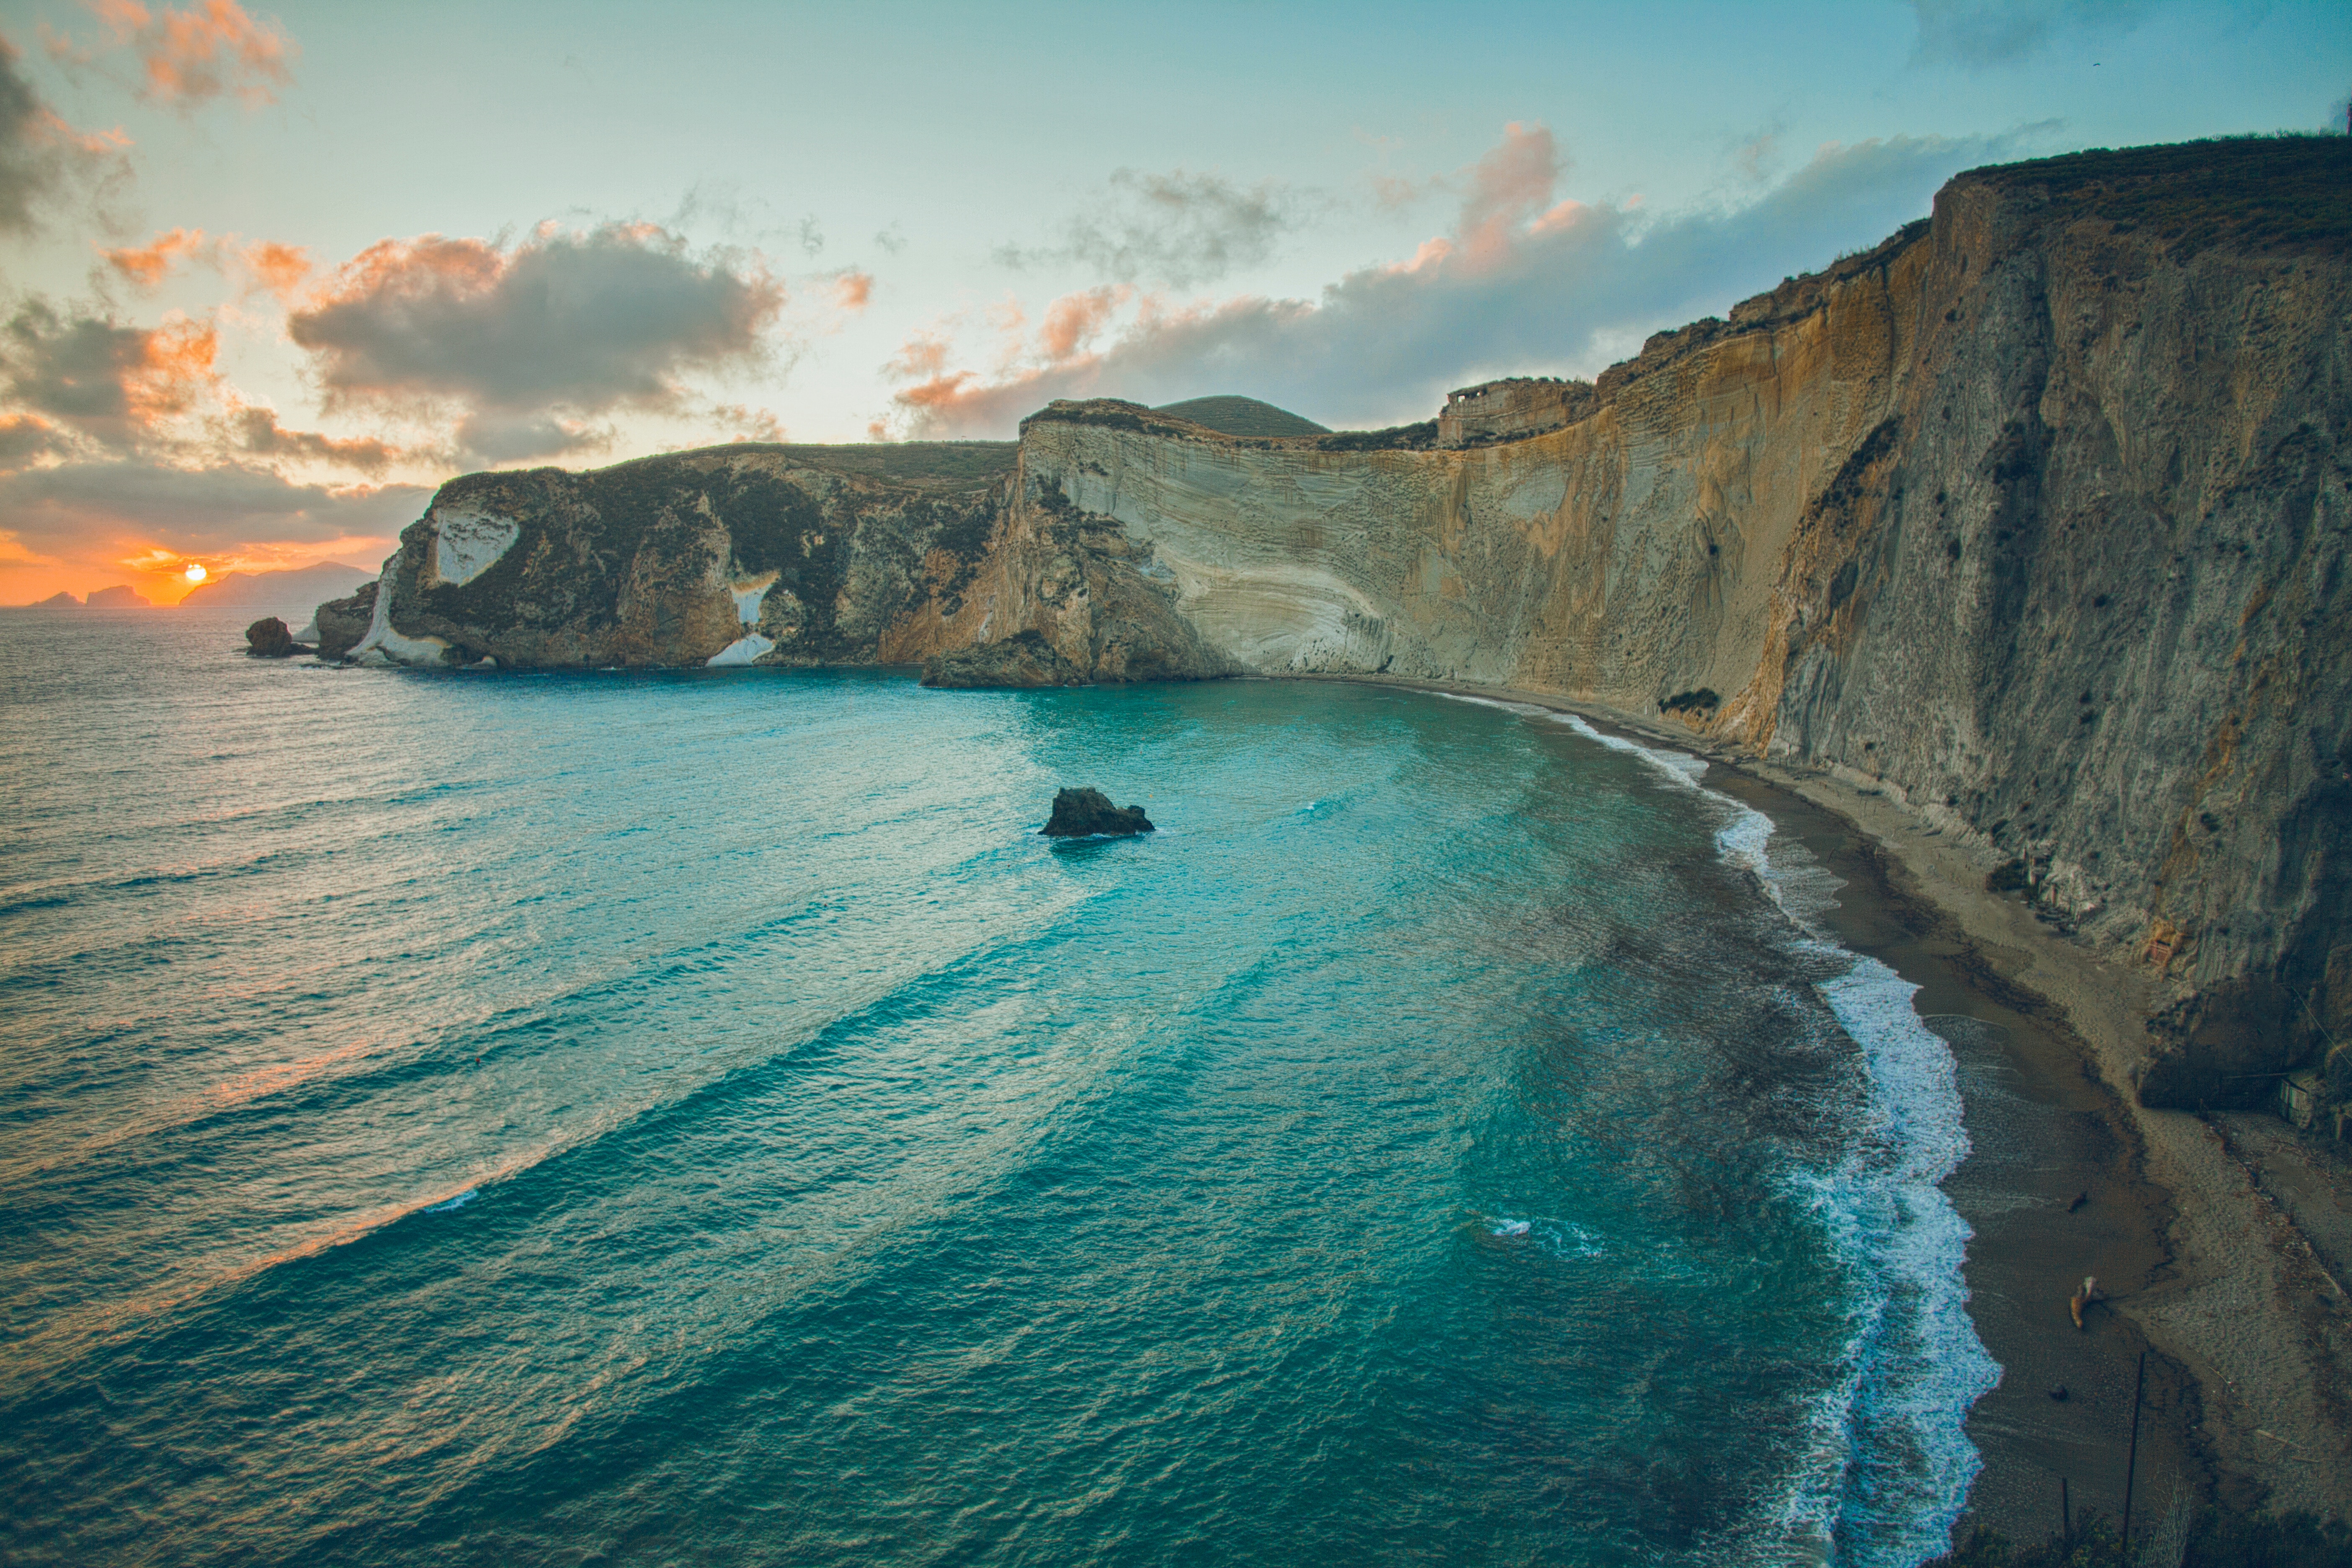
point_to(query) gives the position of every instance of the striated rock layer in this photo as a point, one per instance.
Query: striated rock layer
(2036, 515)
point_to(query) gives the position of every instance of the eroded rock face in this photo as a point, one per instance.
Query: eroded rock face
(2037, 518)
(1024, 660)
(1089, 813)
(341, 623)
(742, 554)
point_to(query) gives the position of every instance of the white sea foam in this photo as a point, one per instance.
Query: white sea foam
(1914, 1365)
(460, 1201)
(1512, 1227)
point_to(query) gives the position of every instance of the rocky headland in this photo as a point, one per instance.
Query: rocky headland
(2027, 530)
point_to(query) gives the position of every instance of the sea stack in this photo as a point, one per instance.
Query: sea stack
(1089, 813)
(269, 638)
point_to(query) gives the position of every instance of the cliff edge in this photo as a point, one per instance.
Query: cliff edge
(2034, 518)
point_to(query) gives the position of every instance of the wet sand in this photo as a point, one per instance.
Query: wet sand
(2246, 1333)
(2044, 1131)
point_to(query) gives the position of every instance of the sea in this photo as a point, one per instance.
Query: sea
(695, 1118)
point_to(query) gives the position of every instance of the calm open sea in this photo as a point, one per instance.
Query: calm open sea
(694, 1117)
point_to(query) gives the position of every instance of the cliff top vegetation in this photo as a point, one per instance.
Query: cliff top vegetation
(1237, 415)
(925, 465)
(2262, 193)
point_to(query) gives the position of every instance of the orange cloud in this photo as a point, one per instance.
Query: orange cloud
(173, 369)
(852, 291)
(924, 354)
(209, 50)
(147, 265)
(751, 424)
(280, 268)
(1072, 320)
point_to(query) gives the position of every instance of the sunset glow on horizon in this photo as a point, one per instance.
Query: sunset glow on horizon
(246, 323)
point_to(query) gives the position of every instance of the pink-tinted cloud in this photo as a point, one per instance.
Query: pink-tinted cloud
(211, 49)
(1073, 320)
(1525, 283)
(1508, 186)
(147, 265)
(280, 268)
(526, 344)
(852, 290)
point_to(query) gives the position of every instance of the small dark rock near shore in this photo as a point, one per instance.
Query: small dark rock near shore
(1082, 813)
(268, 638)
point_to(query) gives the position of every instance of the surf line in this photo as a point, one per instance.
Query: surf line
(1912, 1360)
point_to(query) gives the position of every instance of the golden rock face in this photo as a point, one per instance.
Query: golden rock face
(2035, 518)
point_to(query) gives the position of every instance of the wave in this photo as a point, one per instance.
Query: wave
(1890, 1462)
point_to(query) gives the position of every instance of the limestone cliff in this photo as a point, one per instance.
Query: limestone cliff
(742, 554)
(2036, 515)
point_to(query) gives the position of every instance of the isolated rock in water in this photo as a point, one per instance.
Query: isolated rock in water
(1081, 813)
(341, 623)
(1024, 660)
(119, 597)
(268, 638)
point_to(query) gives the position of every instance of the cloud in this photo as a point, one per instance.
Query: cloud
(1177, 230)
(1523, 283)
(186, 59)
(108, 381)
(852, 290)
(280, 269)
(221, 504)
(40, 155)
(24, 437)
(256, 431)
(81, 525)
(1979, 34)
(525, 344)
(148, 264)
(500, 436)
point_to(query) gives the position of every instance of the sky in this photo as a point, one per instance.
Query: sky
(268, 274)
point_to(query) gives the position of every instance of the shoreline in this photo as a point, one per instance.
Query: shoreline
(2243, 1400)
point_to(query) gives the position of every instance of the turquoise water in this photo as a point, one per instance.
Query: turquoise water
(694, 1117)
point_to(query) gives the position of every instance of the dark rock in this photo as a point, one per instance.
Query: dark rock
(268, 638)
(2007, 878)
(2059, 1393)
(1022, 660)
(1082, 813)
(341, 623)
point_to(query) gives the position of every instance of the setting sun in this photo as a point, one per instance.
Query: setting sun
(196, 572)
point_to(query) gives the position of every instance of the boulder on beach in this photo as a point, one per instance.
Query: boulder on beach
(268, 638)
(1086, 813)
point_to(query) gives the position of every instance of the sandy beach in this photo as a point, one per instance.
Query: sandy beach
(2217, 1238)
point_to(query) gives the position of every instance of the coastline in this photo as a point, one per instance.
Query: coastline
(2245, 1391)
